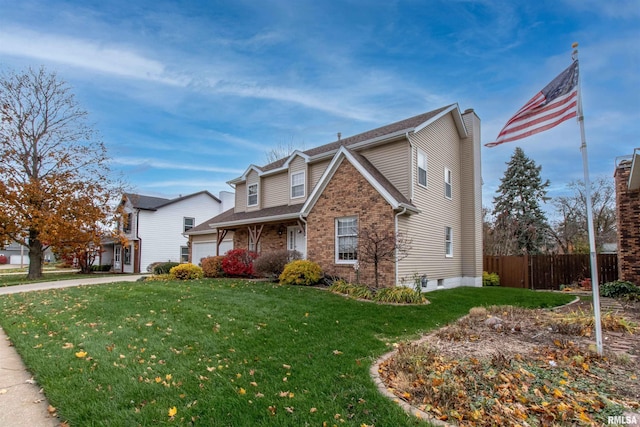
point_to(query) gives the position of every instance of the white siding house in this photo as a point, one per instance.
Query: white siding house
(154, 228)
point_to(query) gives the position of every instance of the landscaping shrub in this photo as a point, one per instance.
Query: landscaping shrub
(301, 272)
(238, 263)
(186, 272)
(3, 259)
(212, 266)
(163, 267)
(271, 264)
(618, 289)
(490, 279)
(356, 291)
(102, 268)
(399, 294)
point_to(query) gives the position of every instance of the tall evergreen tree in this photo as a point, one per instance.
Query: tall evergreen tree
(517, 207)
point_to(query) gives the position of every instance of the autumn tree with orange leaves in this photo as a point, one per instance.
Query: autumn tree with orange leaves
(56, 187)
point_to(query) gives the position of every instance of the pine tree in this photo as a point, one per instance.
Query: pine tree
(517, 210)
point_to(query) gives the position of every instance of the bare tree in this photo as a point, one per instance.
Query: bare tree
(282, 150)
(55, 183)
(376, 246)
(571, 231)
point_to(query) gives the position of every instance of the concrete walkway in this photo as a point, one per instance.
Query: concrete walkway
(22, 402)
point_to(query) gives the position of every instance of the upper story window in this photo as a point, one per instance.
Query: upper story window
(252, 194)
(422, 168)
(346, 240)
(447, 183)
(448, 242)
(188, 223)
(297, 184)
(126, 226)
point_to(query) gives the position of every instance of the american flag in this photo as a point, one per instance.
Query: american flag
(551, 106)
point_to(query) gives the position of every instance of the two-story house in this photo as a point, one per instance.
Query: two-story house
(419, 177)
(154, 228)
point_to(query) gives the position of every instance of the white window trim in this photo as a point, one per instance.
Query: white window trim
(257, 194)
(304, 187)
(187, 254)
(448, 181)
(426, 168)
(184, 223)
(336, 236)
(448, 244)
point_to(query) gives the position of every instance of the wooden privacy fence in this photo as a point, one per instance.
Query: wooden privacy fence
(549, 271)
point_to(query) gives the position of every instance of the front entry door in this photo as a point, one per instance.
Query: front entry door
(296, 241)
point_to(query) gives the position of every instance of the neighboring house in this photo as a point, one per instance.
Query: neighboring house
(419, 177)
(154, 228)
(627, 176)
(19, 255)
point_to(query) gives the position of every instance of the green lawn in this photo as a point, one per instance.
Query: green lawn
(223, 352)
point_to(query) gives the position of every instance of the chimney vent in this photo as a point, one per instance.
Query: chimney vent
(339, 136)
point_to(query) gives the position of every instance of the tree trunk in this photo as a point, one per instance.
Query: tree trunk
(35, 255)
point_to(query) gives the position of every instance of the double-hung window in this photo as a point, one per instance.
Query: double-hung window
(184, 254)
(448, 242)
(346, 240)
(422, 168)
(447, 183)
(127, 255)
(188, 224)
(252, 194)
(297, 184)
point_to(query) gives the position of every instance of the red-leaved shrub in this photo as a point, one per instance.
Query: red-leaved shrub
(3, 259)
(238, 263)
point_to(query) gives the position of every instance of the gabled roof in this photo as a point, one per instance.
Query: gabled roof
(377, 180)
(150, 203)
(393, 130)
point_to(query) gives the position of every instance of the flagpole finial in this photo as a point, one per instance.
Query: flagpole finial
(574, 45)
(574, 54)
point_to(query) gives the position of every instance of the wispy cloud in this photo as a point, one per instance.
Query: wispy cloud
(163, 164)
(86, 54)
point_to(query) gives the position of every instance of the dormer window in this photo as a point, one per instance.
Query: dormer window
(297, 185)
(252, 194)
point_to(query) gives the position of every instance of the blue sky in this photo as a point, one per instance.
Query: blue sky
(187, 94)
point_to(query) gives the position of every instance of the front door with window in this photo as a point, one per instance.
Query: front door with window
(296, 240)
(117, 266)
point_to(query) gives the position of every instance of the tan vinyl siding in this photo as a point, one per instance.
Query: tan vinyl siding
(275, 190)
(315, 173)
(392, 160)
(298, 164)
(254, 178)
(441, 143)
(241, 198)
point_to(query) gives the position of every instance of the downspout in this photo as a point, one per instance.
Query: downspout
(404, 210)
(406, 135)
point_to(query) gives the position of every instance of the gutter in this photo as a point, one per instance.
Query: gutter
(402, 212)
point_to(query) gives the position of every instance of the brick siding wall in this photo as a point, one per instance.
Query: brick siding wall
(270, 240)
(348, 194)
(628, 212)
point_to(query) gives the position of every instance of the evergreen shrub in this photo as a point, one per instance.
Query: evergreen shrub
(490, 279)
(163, 267)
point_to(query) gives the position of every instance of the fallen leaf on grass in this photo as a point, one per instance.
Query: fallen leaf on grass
(81, 354)
(337, 352)
(173, 411)
(67, 345)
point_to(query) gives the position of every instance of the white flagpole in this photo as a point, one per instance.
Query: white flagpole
(595, 286)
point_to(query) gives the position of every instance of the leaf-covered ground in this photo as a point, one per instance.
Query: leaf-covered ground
(223, 352)
(510, 366)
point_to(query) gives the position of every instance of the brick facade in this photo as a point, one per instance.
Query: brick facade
(628, 213)
(348, 194)
(270, 240)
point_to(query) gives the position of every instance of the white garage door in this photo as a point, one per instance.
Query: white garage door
(205, 249)
(202, 250)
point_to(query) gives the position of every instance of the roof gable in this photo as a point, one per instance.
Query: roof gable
(368, 171)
